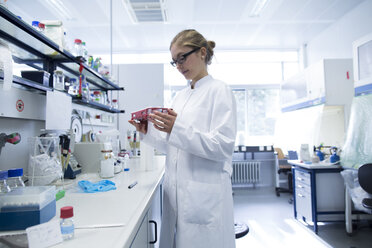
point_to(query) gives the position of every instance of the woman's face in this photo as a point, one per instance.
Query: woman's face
(193, 66)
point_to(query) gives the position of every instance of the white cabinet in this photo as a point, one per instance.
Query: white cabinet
(148, 233)
(328, 81)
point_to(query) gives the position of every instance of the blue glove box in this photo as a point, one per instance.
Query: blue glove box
(27, 206)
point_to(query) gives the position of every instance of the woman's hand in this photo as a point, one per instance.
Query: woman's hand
(140, 126)
(163, 121)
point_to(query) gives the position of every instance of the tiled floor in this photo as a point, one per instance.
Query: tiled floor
(271, 223)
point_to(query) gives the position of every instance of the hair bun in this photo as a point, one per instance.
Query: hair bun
(211, 44)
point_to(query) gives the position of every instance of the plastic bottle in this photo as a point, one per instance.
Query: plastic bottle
(15, 178)
(115, 104)
(35, 25)
(78, 48)
(67, 223)
(41, 27)
(85, 50)
(4, 188)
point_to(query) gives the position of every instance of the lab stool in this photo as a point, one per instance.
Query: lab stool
(241, 230)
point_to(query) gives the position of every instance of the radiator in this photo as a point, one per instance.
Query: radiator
(245, 172)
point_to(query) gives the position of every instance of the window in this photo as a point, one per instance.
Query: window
(255, 79)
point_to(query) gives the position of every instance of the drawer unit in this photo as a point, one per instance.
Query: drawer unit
(317, 194)
(303, 195)
(302, 178)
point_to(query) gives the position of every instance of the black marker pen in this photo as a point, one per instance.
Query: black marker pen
(132, 185)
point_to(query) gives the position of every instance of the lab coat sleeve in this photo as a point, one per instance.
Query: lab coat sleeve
(155, 138)
(218, 142)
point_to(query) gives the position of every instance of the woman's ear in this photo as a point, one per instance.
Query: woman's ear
(203, 52)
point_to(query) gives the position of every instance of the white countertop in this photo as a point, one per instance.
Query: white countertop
(112, 218)
(123, 208)
(320, 165)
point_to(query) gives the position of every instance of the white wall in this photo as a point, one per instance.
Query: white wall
(144, 87)
(336, 41)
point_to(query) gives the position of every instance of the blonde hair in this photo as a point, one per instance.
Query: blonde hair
(193, 39)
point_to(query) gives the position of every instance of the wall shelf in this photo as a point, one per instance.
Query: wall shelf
(32, 48)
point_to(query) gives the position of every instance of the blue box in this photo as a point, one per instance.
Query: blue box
(27, 206)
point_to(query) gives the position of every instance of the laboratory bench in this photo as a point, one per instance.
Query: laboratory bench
(318, 192)
(125, 217)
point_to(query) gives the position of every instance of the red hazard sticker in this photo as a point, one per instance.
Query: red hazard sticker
(20, 105)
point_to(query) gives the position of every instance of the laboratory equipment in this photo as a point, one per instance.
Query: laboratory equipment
(107, 164)
(27, 206)
(305, 153)
(335, 156)
(4, 188)
(362, 59)
(44, 164)
(78, 48)
(142, 115)
(58, 80)
(41, 77)
(89, 155)
(67, 222)
(15, 178)
(13, 138)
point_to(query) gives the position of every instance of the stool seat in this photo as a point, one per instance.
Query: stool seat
(241, 230)
(367, 203)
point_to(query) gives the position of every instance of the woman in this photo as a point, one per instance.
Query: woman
(198, 136)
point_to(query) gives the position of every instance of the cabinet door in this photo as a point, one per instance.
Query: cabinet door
(141, 239)
(315, 80)
(154, 218)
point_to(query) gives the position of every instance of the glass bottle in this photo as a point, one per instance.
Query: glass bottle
(15, 178)
(78, 48)
(4, 188)
(115, 104)
(67, 223)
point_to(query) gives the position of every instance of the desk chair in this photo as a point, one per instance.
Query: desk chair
(284, 168)
(364, 177)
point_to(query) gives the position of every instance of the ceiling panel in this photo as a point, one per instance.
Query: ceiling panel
(283, 24)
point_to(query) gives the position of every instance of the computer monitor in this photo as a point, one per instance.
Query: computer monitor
(362, 59)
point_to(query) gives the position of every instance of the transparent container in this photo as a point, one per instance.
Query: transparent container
(115, 104)
(85, 90)
(15, 178)
(35, 25)
(58, 80)
(85, 51)
(78, 48)
(73, 89)
(41, 27)
(44, 166)
(4, 188)
(97, 97)
(67, 222)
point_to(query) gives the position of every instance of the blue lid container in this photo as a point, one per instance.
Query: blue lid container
(3, 175)
(35, 23)
(15, 172)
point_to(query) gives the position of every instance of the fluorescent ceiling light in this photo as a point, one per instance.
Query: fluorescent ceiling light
(146, 10)
(258, 7)
(59, 7)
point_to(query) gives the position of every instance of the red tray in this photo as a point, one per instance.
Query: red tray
(142, 115)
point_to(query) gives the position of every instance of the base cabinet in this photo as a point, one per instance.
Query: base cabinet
(148, 233)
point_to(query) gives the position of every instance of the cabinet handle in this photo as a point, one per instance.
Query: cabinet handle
(300, 186)
(156, 232)
(300, 195)
(300, 179)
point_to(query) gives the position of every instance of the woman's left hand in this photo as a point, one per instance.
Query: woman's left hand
(163, 121)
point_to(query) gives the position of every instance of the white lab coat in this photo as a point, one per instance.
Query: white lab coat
(197, 200)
